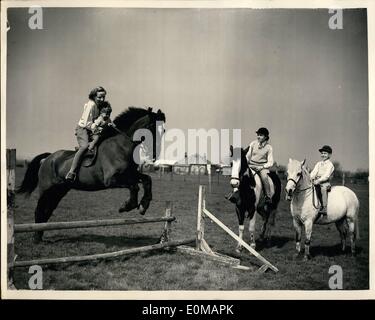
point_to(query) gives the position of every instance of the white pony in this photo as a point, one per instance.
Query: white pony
(343, 207)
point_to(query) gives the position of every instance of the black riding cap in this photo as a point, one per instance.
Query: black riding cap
(325, 149)
(263, 131)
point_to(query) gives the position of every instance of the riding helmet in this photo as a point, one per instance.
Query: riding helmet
(326, 149)
(263, 131)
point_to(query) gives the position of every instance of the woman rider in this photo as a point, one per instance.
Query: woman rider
(91, 112)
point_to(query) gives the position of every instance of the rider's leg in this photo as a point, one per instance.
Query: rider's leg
(319, 193)
(83, 142)
(95, 139)
(267, 188)
(324, 192)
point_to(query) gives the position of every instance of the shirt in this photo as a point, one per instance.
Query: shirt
(260, 154)
(99, 123)
(90, 113)
(322, 171)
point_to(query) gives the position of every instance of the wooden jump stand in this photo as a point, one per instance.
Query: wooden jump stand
(203, 249)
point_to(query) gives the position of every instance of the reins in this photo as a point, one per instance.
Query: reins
(311, 186)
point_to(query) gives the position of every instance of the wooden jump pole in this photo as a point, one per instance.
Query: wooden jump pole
(101, 256)
(204, 211)
(32, 227)
(11, 184)
(165, 241)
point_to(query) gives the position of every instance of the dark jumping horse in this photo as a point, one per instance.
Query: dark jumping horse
(114, 166)
(251, 197)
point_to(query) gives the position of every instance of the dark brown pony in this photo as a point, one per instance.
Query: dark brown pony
(114, 166)
(251, 198)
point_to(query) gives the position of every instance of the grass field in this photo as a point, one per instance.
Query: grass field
(168, 270)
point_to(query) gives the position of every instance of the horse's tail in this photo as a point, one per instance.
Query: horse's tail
(30, 181)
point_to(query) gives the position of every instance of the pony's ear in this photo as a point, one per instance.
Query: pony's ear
(159, 111)
(303, 162)
(149, 109)
(290, 160)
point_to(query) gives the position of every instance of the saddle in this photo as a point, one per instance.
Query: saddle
(256, 173)
(275, 185)
(89, 157)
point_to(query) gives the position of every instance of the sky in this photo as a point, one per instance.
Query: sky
(284, 69)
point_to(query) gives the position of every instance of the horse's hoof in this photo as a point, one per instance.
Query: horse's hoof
(127, 207)
(238, 250)
(141, 210)
(253, 245)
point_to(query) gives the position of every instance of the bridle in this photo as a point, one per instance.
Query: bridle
(310, 186)
(296, 183)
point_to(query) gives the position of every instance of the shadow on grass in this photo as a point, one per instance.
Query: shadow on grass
(108, 241)
(275, 242)
(333, 251)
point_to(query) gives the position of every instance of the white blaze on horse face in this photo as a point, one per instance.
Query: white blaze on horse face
(236, 167)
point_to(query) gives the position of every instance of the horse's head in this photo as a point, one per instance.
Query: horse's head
(239, 161)
(296, 171)
(143, 125)
(241, 177)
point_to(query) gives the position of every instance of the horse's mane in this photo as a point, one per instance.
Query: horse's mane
(307, 173)
(125, 119)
